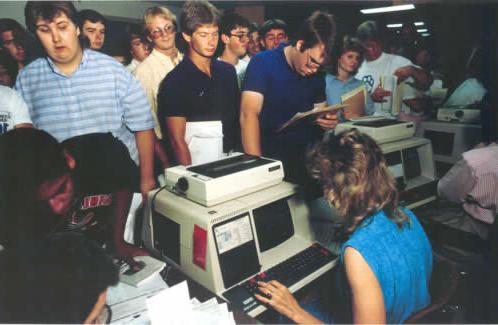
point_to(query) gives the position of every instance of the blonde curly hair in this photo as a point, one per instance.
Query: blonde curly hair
(355, 178)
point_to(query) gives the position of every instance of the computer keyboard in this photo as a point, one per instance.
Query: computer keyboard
(294, 272)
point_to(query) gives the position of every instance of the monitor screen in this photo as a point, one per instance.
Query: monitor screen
(442, 142)
(273, 224)
(166, 236)
(236, 248)
(411, 164)
(395, 165)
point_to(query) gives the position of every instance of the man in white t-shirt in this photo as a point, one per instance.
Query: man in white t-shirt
(378, 64)
(13, 110)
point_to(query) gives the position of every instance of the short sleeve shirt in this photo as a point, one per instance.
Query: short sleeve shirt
(285, 93)
(335, 88)
(385, 65)
(100, 96)
(103, 166)
(473, 182)
(13, 109)
(188, 92)
(150, 73)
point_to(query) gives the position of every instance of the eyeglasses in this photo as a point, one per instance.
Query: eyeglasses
(241, 37)
(166, 30)
(312, 63)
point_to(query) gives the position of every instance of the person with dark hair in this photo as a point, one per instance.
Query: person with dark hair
(17, 43)
(408, 40)
(83, 184)
(76, 91)
(253, 45)
(61, 279)
(198, 101)
(387, 257)
(280, 83)
(346, 58)
(273, 32)
(92, 25)
(139, 48)
(234, 31)
(378, 64)
(417, 104)
(8, 70)
(160, 26)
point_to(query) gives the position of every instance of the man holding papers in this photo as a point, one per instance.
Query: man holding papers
(278, 84)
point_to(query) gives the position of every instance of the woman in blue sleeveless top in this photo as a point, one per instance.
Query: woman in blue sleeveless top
(387, 257)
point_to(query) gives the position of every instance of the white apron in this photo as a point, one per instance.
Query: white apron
(204, 141)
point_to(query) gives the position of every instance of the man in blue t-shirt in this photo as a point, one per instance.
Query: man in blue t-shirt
(278, 84)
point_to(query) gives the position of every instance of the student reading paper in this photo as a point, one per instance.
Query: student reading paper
(341, 85)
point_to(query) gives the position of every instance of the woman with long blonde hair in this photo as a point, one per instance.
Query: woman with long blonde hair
(387, 257)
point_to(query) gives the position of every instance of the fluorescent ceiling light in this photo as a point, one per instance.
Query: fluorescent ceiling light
(423, 30)
(394, 25)
(419, 23)
(387, 9)
(426, 34)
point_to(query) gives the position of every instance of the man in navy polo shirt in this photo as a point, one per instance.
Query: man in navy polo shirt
(278, 84)
(198, 100)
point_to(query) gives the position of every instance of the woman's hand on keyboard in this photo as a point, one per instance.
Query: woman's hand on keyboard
(279, 297)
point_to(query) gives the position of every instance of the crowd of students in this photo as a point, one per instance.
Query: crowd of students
(83, 133)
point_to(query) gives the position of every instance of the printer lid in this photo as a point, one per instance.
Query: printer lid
(378, 123)
(229, 165)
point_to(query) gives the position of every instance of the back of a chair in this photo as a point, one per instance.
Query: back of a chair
(443, 286)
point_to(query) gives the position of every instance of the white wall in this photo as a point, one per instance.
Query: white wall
(128, 10)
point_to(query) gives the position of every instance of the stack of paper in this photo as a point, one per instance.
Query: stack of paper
(173, 306)
(128, 303)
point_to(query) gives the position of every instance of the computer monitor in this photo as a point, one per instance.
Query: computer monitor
(225, 244)
(411, 162)
(450, 140)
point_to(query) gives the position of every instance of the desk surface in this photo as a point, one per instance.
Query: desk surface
(175, 276)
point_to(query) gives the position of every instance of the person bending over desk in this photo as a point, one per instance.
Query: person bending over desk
(387, 257)
(83, 184)
(280, 83)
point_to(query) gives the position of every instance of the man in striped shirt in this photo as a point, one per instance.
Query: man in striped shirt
(73, 92)
(473, 183)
